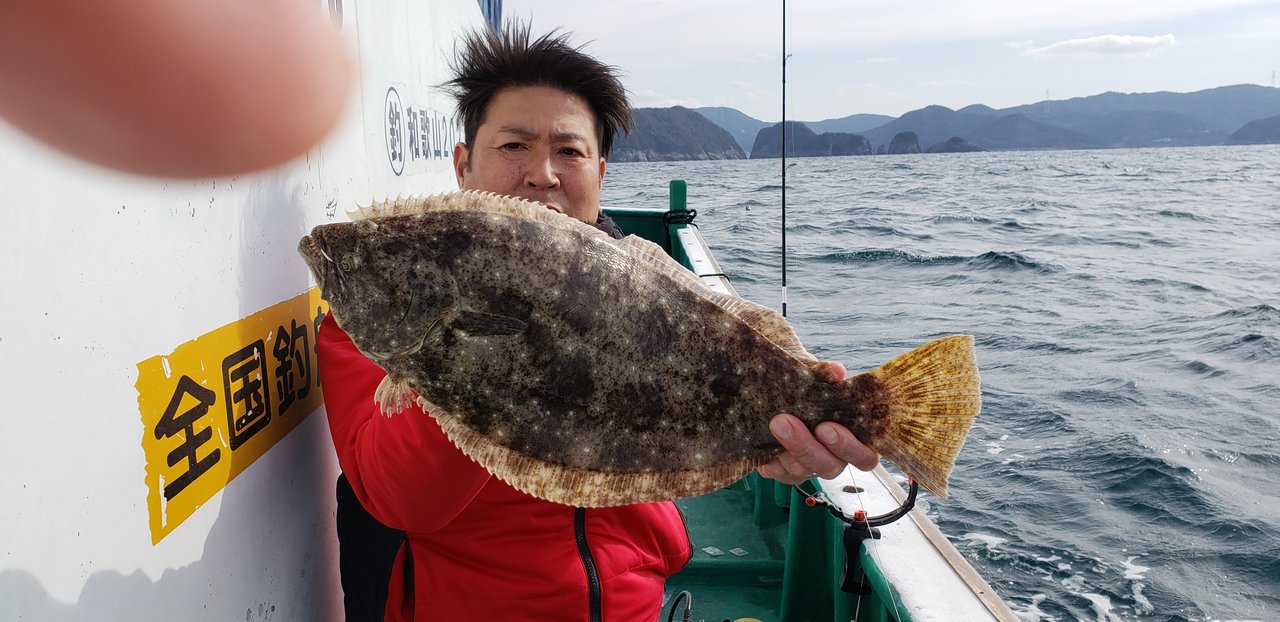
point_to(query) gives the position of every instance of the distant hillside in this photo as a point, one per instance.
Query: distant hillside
(954, 145)
(1161, 119)
(1261, 132)
(675, 134)
(853, 124)
(982, 126)
(743, 128)
(1220, 110)
(803, 142)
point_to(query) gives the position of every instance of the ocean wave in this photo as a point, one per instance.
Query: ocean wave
(1171, 213)
(1167, 283)
(1261, 311)
(1108, 393)
(991, 260)
(966, 218)
(1036, 343)
(1062, 172)
(1201, 368)
(1009, 261)
(880, 230)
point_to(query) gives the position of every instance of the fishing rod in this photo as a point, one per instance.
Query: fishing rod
(858, 527)
(784, 158)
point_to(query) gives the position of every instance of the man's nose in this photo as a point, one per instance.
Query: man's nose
(541, 172)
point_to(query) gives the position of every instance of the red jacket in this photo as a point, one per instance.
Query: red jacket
(481, 549)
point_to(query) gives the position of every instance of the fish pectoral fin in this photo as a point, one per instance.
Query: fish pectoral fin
(393, 395)
(480, 324)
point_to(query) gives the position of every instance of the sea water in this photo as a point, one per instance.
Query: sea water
(1126, 306)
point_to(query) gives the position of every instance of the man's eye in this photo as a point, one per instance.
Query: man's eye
(570, 151)
(513, 146)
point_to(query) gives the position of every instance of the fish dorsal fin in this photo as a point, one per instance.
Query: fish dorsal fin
(764, 320)
(473, 201)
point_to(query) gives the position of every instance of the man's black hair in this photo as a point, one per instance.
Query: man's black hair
(489, 62)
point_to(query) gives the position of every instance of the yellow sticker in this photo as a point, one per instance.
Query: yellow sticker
(218, 402)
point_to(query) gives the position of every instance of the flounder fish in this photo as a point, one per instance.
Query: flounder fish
(596, 372)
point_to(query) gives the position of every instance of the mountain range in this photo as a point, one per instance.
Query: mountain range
(675, 133)
(1230, 114)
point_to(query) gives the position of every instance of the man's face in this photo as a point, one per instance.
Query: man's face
(537, 143)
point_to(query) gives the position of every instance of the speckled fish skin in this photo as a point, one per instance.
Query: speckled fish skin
(569, 355)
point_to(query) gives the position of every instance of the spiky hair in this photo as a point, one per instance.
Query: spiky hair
(487, 62)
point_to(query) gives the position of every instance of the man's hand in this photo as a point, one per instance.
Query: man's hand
(825, 456)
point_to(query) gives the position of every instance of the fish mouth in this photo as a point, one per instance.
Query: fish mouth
(311, 251)
(321, 264)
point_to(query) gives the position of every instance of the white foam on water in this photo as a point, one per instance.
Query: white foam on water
(1074, 584)
(1144, 605)
(990, 541)
(1033, 613)
(1102, 607)
(994, 448)
(1134, 571)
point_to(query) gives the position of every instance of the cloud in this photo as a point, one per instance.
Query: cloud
(1105, 45)
(750, 90)
(756, 57)
(943, 84)
(653, 99)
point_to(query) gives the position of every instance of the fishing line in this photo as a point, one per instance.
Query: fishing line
(875, 555)
(817, 497)
(867, 524)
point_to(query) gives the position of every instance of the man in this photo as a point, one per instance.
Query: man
(539, 120)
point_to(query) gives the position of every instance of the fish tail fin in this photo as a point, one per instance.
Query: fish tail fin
(933, 395)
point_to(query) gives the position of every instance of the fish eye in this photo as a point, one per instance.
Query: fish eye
(348, 263)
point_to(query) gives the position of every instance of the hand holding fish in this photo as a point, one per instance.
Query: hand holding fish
(824, 454)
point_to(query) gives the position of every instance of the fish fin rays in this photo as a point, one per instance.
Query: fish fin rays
(764, 320)
(480, 324)
(393, 395)
(935, 394)
(579, 487)
(473, 201)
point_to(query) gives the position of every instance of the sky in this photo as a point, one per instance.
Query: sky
(853, 56)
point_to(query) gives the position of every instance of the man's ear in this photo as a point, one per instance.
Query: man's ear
(602, 167)
(461, 163)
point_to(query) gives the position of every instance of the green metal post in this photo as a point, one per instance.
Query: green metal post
(679, 194)
(807, 585)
